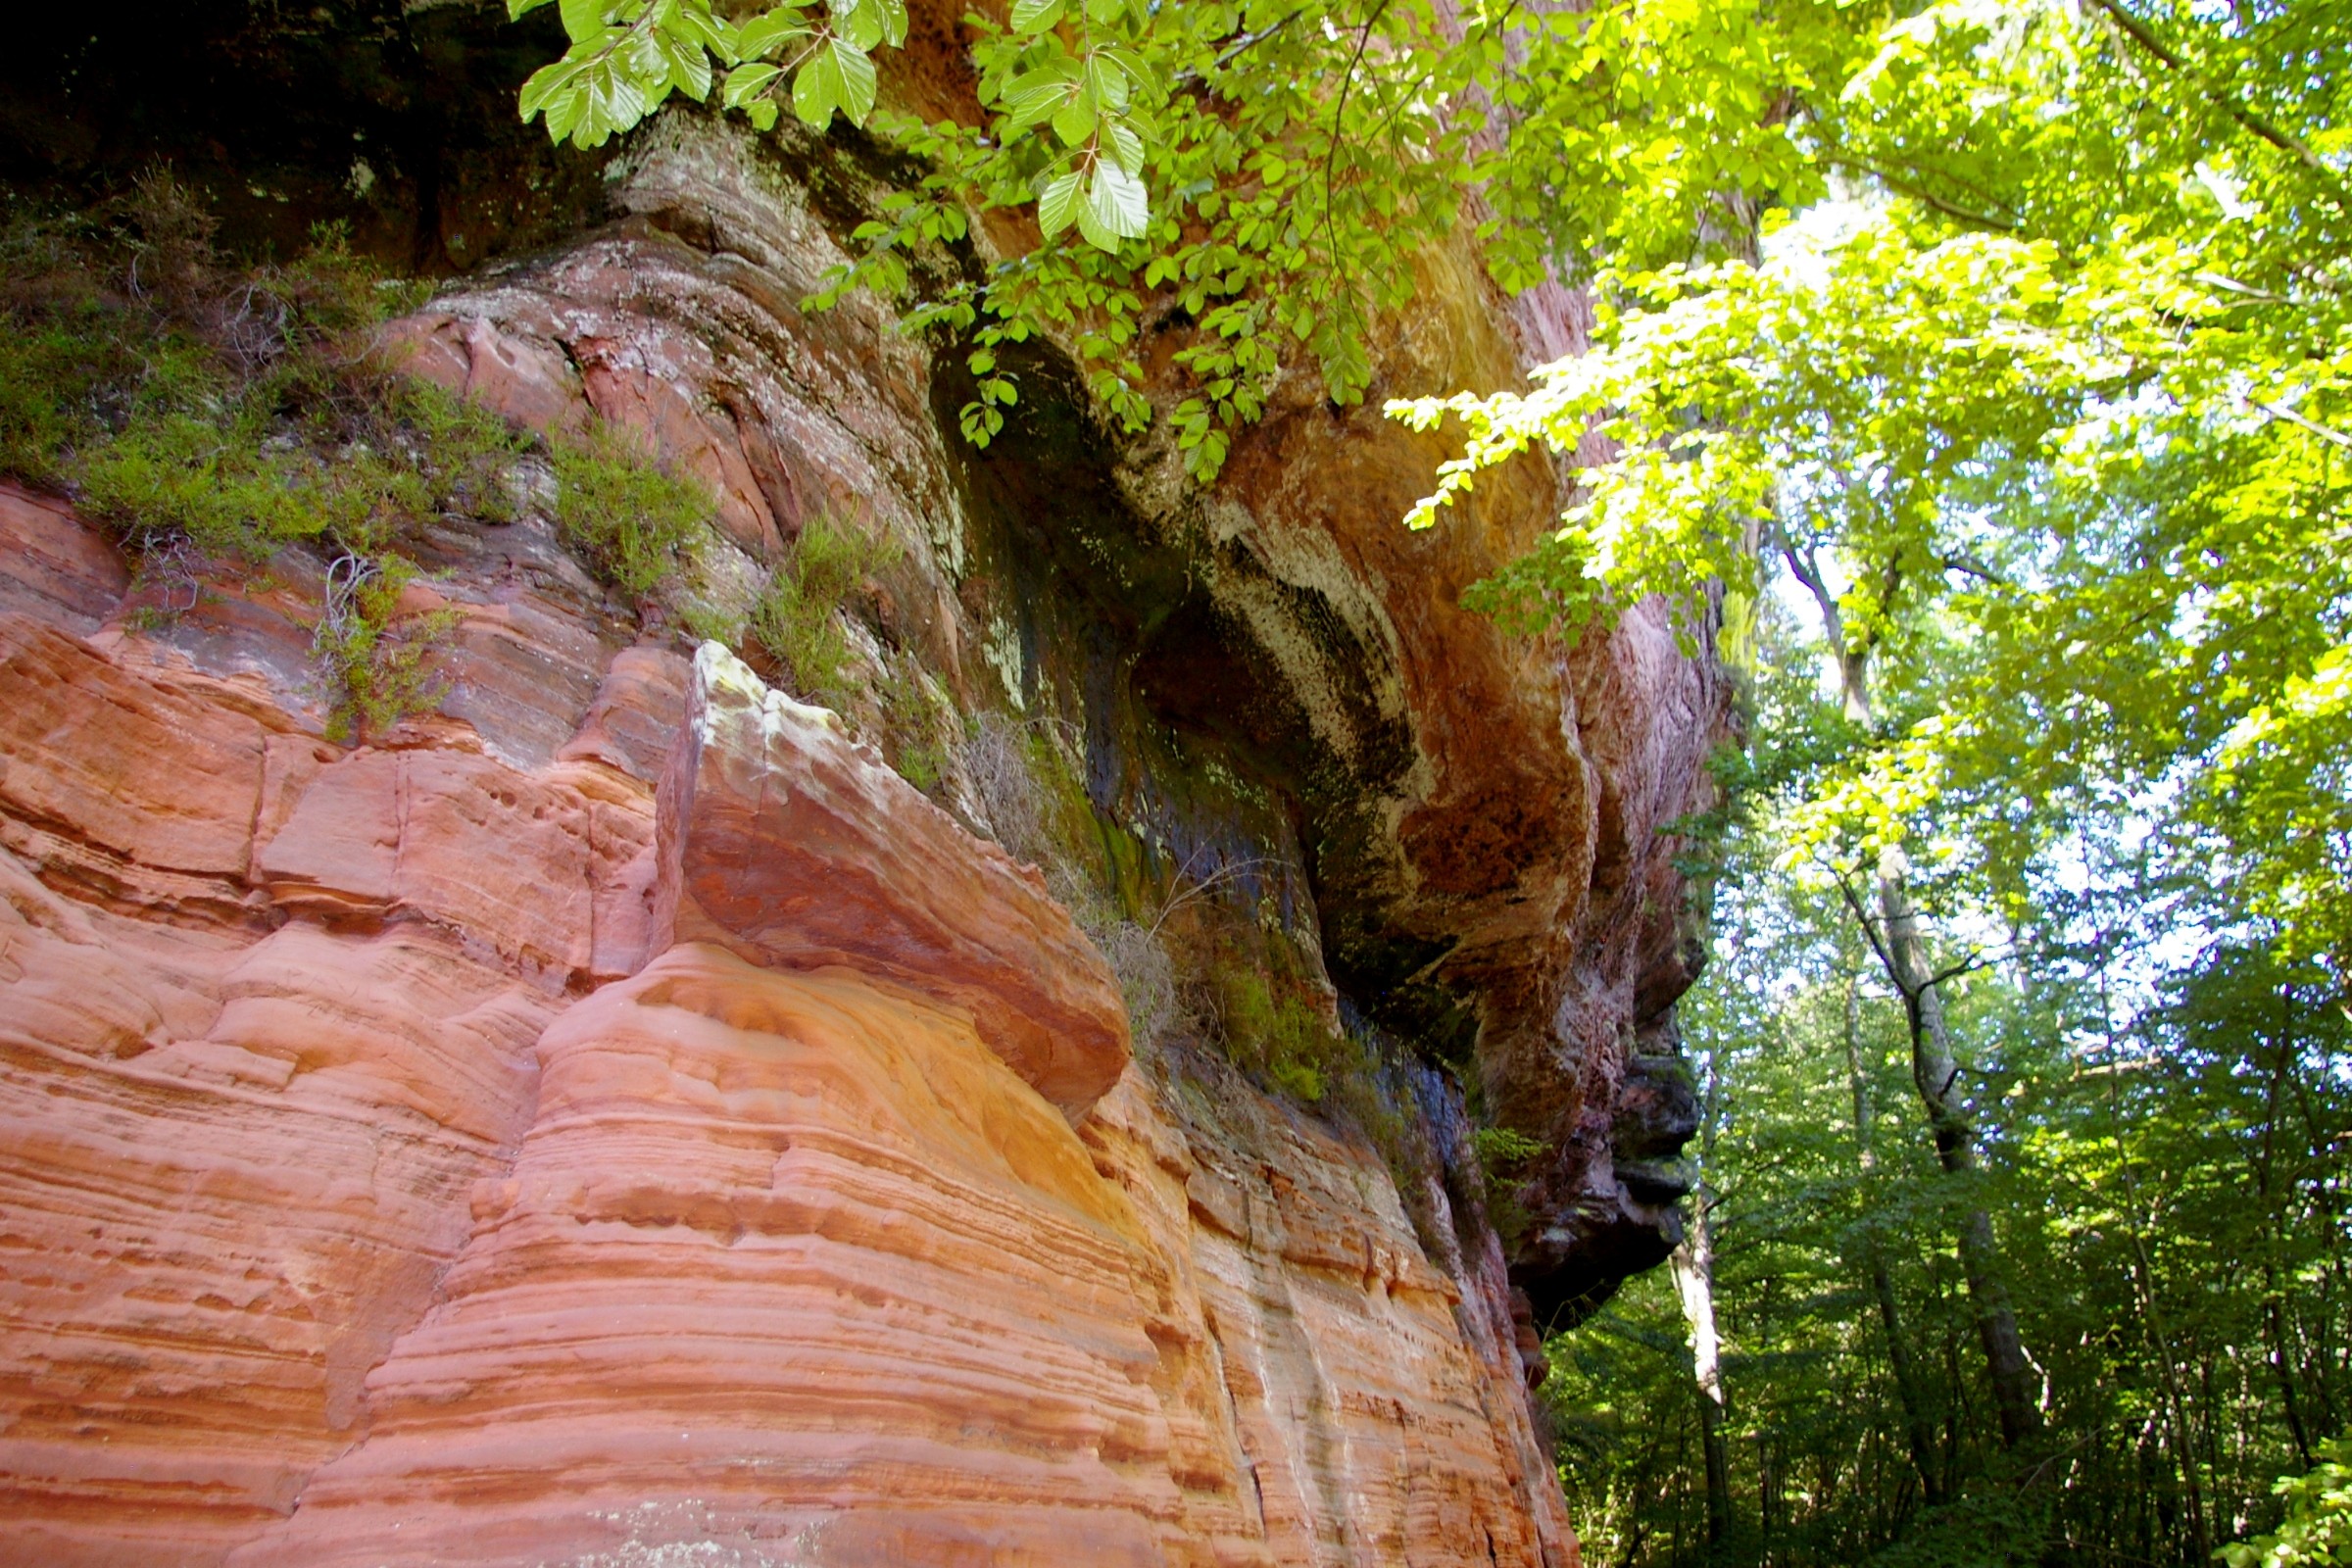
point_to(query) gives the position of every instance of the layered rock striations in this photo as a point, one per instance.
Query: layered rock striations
(351, 1220)
(1271, 673)
(798, 1261)
(616, 1119)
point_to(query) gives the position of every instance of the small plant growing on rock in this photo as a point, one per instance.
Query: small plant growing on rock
(463, 452)
(1001, 757)
(1281, 1035)
(634, 527)
(794, 621)
(375, 664)
(1502, 1155)
(913, 718)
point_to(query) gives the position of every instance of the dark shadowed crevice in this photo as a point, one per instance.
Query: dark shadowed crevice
(397, 122)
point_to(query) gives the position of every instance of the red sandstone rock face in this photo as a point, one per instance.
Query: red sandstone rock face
(383, 1180)
(783, 840)
(1487, 814)
(353, 1212)
(898, 1312)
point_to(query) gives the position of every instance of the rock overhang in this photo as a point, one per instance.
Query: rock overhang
(787, 843)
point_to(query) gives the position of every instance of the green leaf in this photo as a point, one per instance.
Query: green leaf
(1035, 16)
(1125, 146)
(690, 24)
(1118, 203)
(857, 23)
(764, 34)
(690, 70)
(1106, 84)
(1131, 65)
(583, 19)
(854, 75)
(563, 111)
(1035, 107)
(1074, 121)
(747, 82)
(547, 80)
(1058, 204)
(516, 10)
(816, 90)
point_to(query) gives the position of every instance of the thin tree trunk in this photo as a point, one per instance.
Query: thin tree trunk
(1693, 1265)
(2273, 1313)
(1935, 1073)
(1917, 1427)
(2160, 1345)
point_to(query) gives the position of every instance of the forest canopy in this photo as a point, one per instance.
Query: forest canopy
(1976, 379)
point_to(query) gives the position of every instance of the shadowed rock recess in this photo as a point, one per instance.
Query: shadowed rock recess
(618, 1119)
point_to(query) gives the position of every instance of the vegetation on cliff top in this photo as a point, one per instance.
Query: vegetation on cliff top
(214, 414)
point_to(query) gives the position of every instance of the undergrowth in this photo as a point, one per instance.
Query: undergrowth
(210, 414)
(916, 720)
(376, 664)
(635, 527)
(797, 620)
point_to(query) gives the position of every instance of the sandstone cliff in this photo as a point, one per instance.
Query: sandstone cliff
(616, 1119)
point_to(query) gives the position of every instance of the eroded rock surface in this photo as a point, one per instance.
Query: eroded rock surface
(1482, 822)
(355, 1214)
(786, 841)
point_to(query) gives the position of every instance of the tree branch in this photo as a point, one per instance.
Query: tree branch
(1903, 187)
(1862, 917)
(2258, 125)
(2297, 420)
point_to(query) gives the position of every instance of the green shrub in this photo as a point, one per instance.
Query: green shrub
(634, 527)
(51, 375)
(179, 476)
(913, 725)
(795, 619)
(376, 665)
(462, 452)
(1284, 1038)
(2318, 1527)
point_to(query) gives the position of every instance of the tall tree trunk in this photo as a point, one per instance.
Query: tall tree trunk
(1917, 1427)
(1935, 1073)
(1693, 1265)
(2273, 1310)
(1935, 1070)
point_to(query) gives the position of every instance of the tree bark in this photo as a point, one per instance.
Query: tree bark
(1935, 1070)
(1694, 1265)
(1693, 1268)
(1917, 1427)
(1935, 1073)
